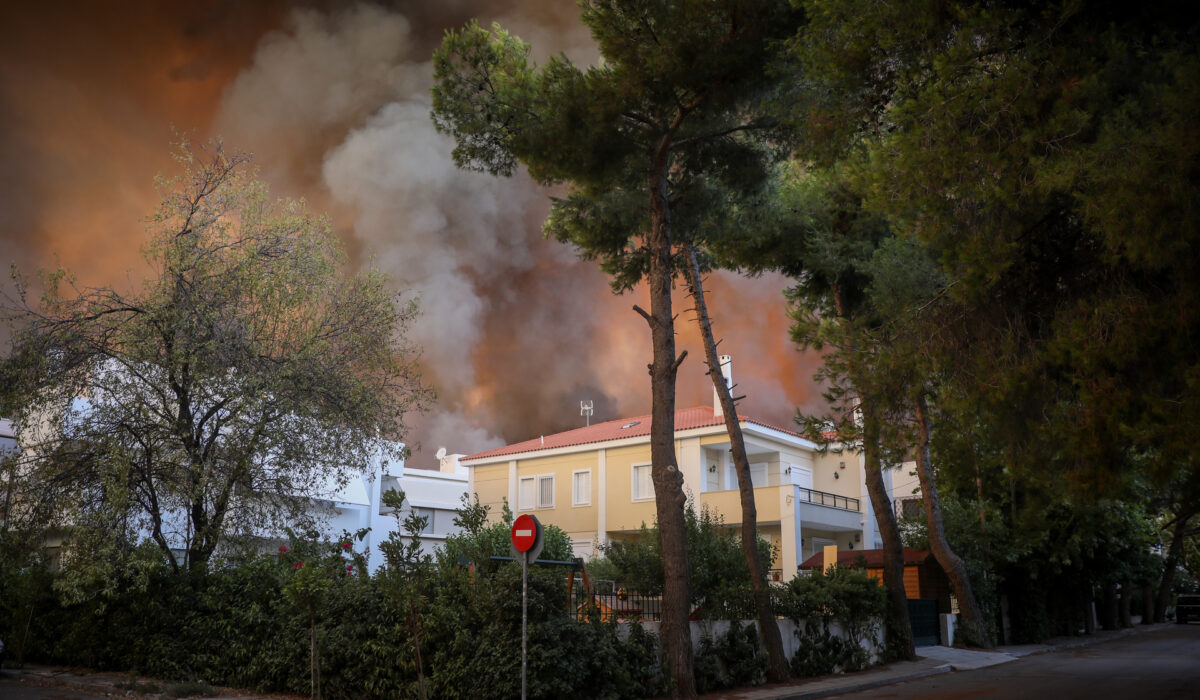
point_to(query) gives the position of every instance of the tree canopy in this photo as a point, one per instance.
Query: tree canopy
(642, 141)
(249, 373)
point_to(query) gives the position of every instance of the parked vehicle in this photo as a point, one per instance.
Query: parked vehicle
(1187, 608)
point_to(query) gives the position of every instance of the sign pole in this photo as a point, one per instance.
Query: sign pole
(527, 544)
(524, 618)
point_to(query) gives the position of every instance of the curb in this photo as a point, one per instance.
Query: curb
(865, 685)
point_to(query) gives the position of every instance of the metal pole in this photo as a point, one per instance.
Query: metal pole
(524, 616)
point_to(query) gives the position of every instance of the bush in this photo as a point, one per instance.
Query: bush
(719, 580)
(255, 624)
(844, 596)
(731, 660)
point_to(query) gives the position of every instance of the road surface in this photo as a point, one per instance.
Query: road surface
(1152, 666)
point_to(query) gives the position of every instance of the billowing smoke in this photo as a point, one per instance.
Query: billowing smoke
(334, 103)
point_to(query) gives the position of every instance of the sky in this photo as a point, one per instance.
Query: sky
(332, 100)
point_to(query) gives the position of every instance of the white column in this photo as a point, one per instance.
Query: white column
(601, 487)
(691, 464)
(512, 485)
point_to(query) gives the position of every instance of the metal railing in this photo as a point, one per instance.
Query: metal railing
(823, 498)
(621, 606)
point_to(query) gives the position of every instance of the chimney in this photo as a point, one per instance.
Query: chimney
(727, 372)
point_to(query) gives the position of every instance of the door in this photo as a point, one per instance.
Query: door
(923, 616)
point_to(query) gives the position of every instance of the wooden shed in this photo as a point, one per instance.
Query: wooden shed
(923, 577)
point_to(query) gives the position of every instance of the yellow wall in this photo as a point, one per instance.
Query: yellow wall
(729, 504)
(849, 481)
(573, 519)
(623, 512)
(491, 485)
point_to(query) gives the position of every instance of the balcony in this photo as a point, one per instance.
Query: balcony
(822, 498)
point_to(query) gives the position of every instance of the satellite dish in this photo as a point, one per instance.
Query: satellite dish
(441, 452)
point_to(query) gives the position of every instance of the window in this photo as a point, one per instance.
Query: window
(525, 499)
(643, 485)
(545, 491)
(581, 488)
(426, 513)
(910, 507)
(536, 492)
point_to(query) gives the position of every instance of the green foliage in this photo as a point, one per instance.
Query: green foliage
(820, 653)
(247, 373)
(720, 579)
(254, 625)
(731, 660)
(836, 612)
(480, 541)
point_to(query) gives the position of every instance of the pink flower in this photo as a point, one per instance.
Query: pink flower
(345, 545)
(297, 565)
(350, 567)
(283, 549)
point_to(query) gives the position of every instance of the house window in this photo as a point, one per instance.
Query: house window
(546, 491)
(428, 514)
(525, 499)
(643, 485)
(910, 507)
(536, 492)
(581, 488)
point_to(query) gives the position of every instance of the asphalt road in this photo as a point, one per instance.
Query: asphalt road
(12, 690)
(1159, 665)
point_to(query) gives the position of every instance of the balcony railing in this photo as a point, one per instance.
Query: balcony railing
(822, 498)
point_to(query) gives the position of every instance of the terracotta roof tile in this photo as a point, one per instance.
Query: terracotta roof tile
(685, 419)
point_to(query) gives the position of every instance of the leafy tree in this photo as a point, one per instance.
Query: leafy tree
(828, 243)
(720, 577)
(635, 140)
(317, 566)
(479, 541)
(1012, 143)
(248, 373)
(405, 578)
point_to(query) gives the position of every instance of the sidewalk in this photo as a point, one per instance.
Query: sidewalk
(101, 684)
(930, 661)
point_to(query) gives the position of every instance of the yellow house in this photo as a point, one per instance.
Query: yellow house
(594, 483)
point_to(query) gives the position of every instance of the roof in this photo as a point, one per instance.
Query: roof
(685, 419)
(874, 557)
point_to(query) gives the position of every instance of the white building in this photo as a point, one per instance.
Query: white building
(433, 494)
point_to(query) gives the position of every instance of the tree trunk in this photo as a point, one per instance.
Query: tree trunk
(1108, 615)
(668, 481)
(899, 629)
(1147, 604)
(1089, 608)
(1172, 562)
(950, 562)
(1125, 602)
(777, 667)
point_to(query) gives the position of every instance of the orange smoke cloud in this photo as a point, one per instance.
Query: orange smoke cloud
(334, 105)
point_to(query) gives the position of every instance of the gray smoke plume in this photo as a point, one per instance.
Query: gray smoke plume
(333, 100)
(515, 330)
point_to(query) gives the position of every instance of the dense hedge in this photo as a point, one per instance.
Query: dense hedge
(237, 627)
(261, 623)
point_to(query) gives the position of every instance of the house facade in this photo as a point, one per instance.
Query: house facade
(594, 483)
(435, 494)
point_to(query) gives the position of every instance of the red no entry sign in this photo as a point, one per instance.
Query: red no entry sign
(525, 531)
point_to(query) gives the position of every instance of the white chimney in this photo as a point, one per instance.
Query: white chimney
(727, 372)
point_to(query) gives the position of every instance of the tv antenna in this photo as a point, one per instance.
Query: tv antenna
(585, 409)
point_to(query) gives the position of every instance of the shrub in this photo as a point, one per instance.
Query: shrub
(844, 596)
(731, 660)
